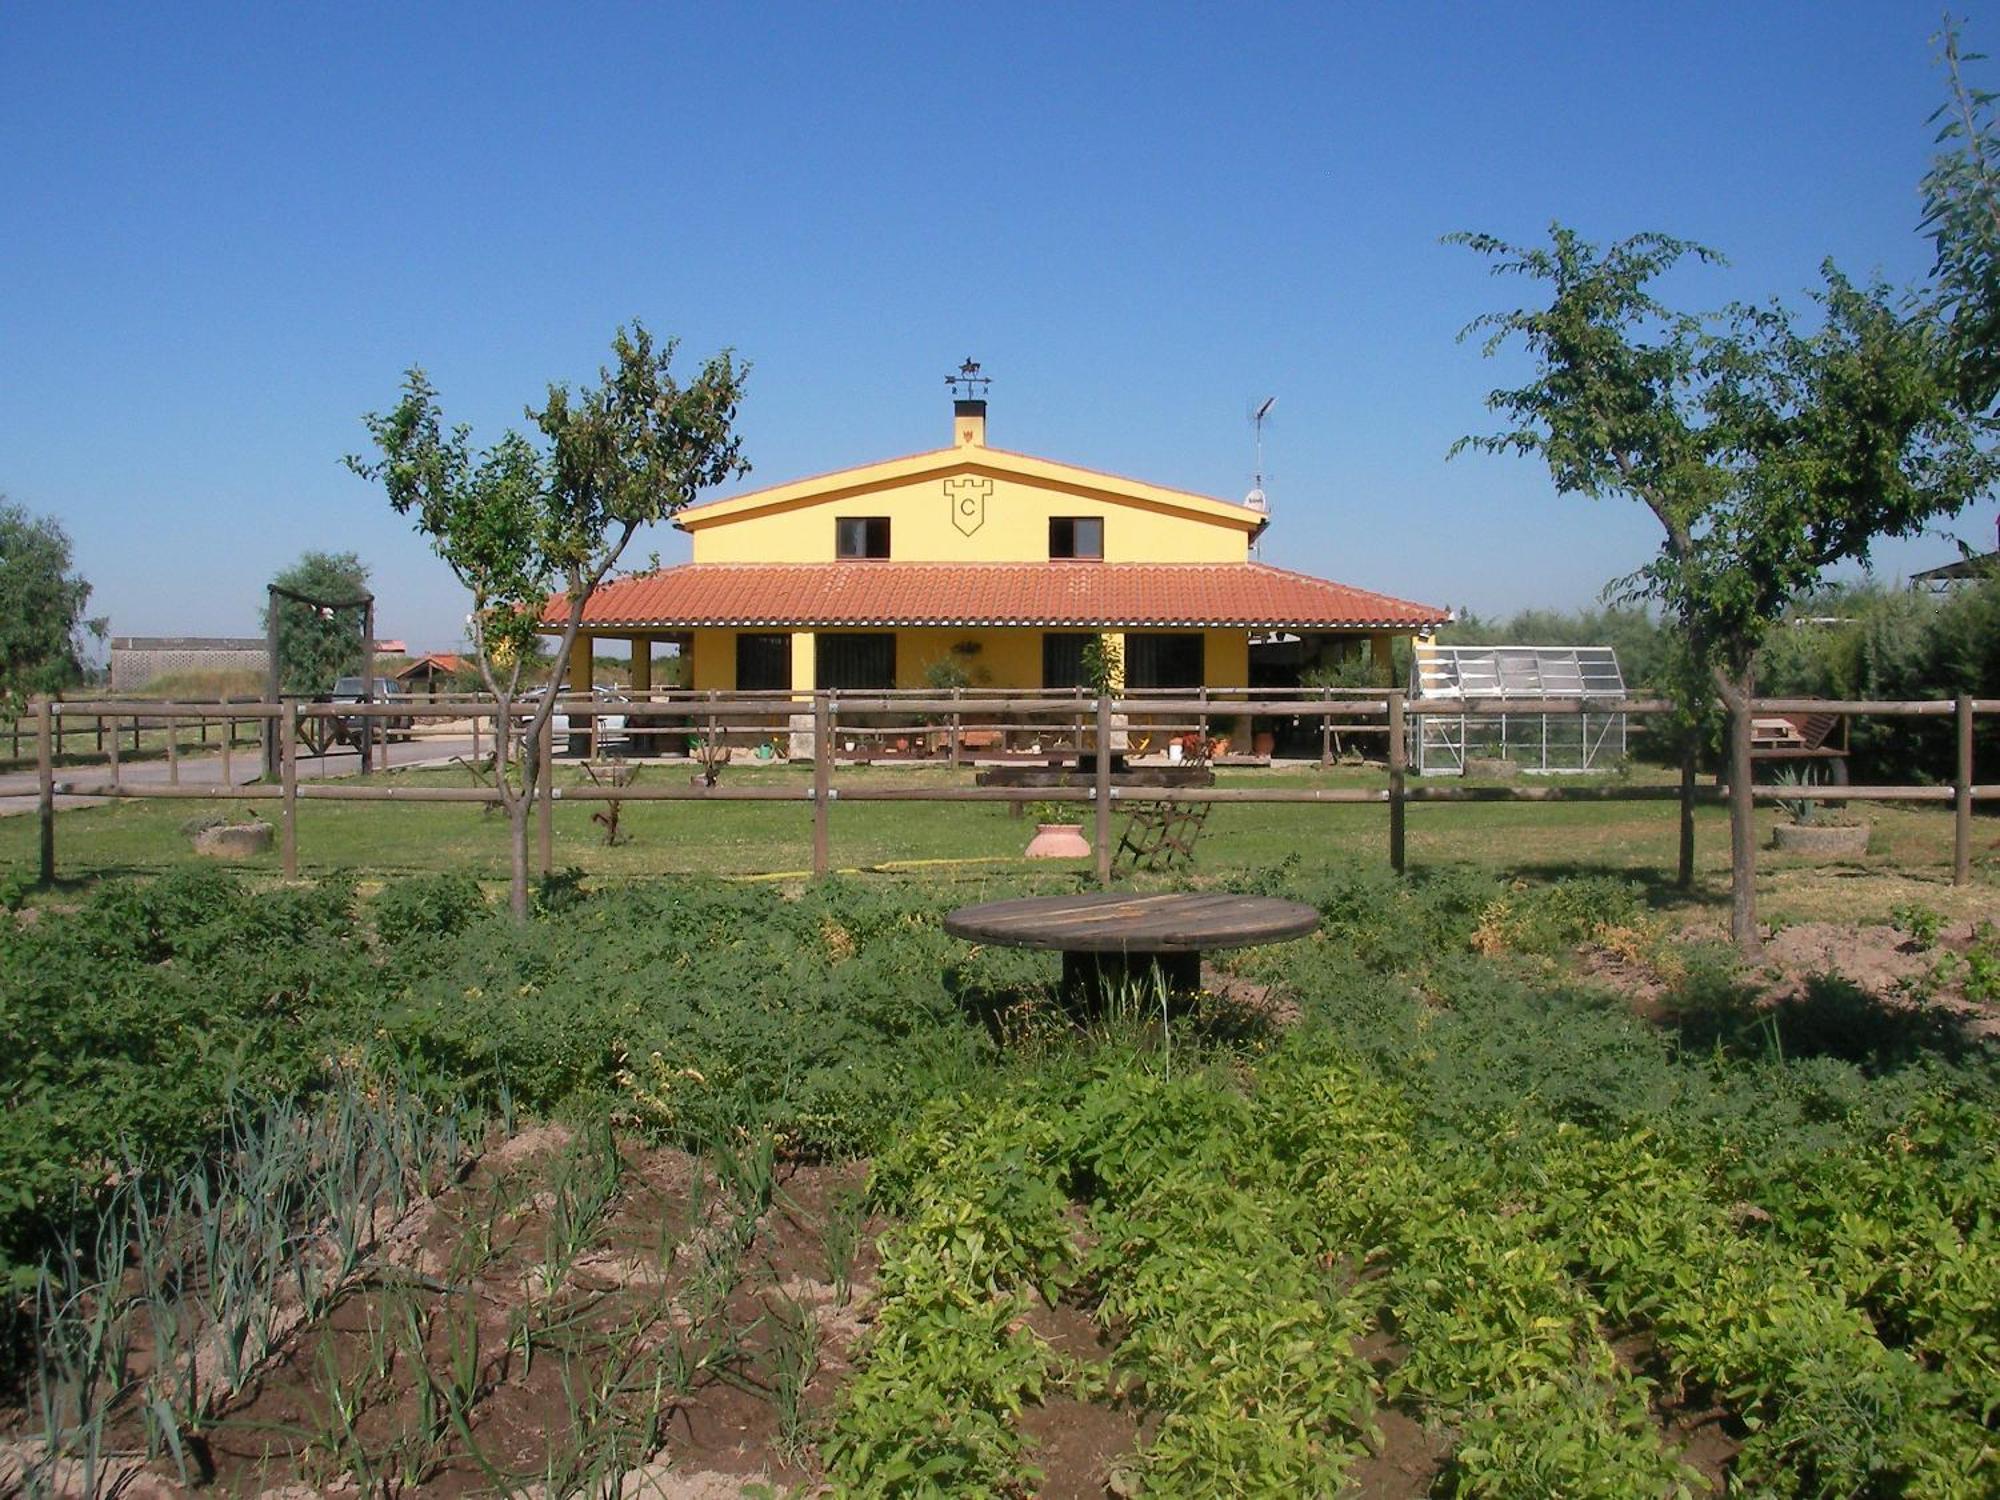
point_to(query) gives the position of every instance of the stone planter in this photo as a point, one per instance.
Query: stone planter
(1058, 841)
(1821, 840)
(234, 840)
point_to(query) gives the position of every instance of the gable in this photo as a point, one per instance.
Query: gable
(971, 503)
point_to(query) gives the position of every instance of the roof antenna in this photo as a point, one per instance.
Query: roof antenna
(1256, 499)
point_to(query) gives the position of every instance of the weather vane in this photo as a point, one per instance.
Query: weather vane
(968, 382)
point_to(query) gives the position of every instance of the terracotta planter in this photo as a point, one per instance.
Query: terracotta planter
(1821, 840)
(1058, 841)
(1264, 742)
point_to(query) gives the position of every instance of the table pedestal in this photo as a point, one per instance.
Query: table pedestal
(1090, 980)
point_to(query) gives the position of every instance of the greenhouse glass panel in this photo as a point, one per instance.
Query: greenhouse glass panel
(1449, 741)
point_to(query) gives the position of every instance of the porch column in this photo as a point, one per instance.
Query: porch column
(1383, 649)
(804, 659)
(642, 663)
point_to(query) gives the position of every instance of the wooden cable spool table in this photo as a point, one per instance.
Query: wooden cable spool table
(1110, 940)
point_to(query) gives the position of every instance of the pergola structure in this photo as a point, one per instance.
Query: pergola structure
(328, 608)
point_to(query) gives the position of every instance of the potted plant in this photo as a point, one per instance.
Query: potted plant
(1104, 677)
(1806, 826)
(1056, 837)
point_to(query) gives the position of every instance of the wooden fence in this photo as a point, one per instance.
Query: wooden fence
(1080, 725)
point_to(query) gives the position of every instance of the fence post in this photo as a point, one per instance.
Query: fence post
(822, 779)
(1101, 792)
(114, 748)
(173, 751)
(546, 813)
(1326, 731)
(288, 772)
(45, 775)
(1398, 758)
(956, 720)
(228, 753)
(1961, 837)
(475, 736)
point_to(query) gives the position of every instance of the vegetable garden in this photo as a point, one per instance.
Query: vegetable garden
(693, 1188)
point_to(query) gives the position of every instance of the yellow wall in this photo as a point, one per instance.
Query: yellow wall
(1007, 657)
(1015, 527)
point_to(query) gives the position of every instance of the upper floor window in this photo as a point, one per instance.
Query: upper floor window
(1076, 536)
(861, 536)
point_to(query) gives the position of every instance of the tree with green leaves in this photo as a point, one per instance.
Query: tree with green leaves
(318, 644)
(1767, 447)
(1962, 215)
(42, 625)
(528, 527)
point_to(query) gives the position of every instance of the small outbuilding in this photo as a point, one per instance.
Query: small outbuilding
(1444, 680)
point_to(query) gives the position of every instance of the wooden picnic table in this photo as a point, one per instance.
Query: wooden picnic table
(1109, 939)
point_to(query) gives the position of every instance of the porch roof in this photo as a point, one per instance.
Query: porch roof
(1078, 595)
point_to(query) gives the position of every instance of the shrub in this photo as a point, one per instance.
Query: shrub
(423, 908)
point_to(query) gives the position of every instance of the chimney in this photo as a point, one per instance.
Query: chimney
(968, 407)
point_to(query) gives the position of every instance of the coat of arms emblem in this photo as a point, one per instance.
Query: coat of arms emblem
(968, 502)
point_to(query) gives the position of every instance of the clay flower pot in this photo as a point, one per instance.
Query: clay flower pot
(1058, 841)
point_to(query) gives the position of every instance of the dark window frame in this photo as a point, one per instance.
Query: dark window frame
(839, 664)
(874, 537)
(780, 661)
(1062, 657)
(1166, 659)
(1064, 543)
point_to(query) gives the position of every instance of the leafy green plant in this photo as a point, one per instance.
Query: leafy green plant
(1922, 923)
(424, 908)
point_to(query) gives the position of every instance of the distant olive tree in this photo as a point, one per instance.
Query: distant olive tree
(519, 521)
(42, 625)
(1767, 446)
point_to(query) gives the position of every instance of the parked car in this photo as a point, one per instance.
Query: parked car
(610, 717)
(387, 690)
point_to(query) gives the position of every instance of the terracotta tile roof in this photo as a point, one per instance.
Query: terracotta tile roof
(1063, 594)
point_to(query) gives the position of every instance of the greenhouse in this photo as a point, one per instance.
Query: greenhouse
(1444, 679)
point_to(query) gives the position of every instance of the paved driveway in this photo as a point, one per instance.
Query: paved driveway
(18, 788)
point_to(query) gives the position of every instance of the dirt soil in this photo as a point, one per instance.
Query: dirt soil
(1899, 976)
(566, 1319)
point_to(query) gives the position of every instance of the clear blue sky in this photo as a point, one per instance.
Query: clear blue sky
(229, 229)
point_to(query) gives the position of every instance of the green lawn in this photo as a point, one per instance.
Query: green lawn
(973, 841)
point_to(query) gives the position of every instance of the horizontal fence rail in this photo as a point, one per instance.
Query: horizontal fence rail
(1066, 725)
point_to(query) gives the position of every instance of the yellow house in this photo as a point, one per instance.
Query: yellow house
(973, 564)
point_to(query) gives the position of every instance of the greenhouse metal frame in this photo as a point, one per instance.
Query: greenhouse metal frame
(1445, 739)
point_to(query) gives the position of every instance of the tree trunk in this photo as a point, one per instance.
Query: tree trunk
(1684, 875)
(517, 846)
(1737, 694)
